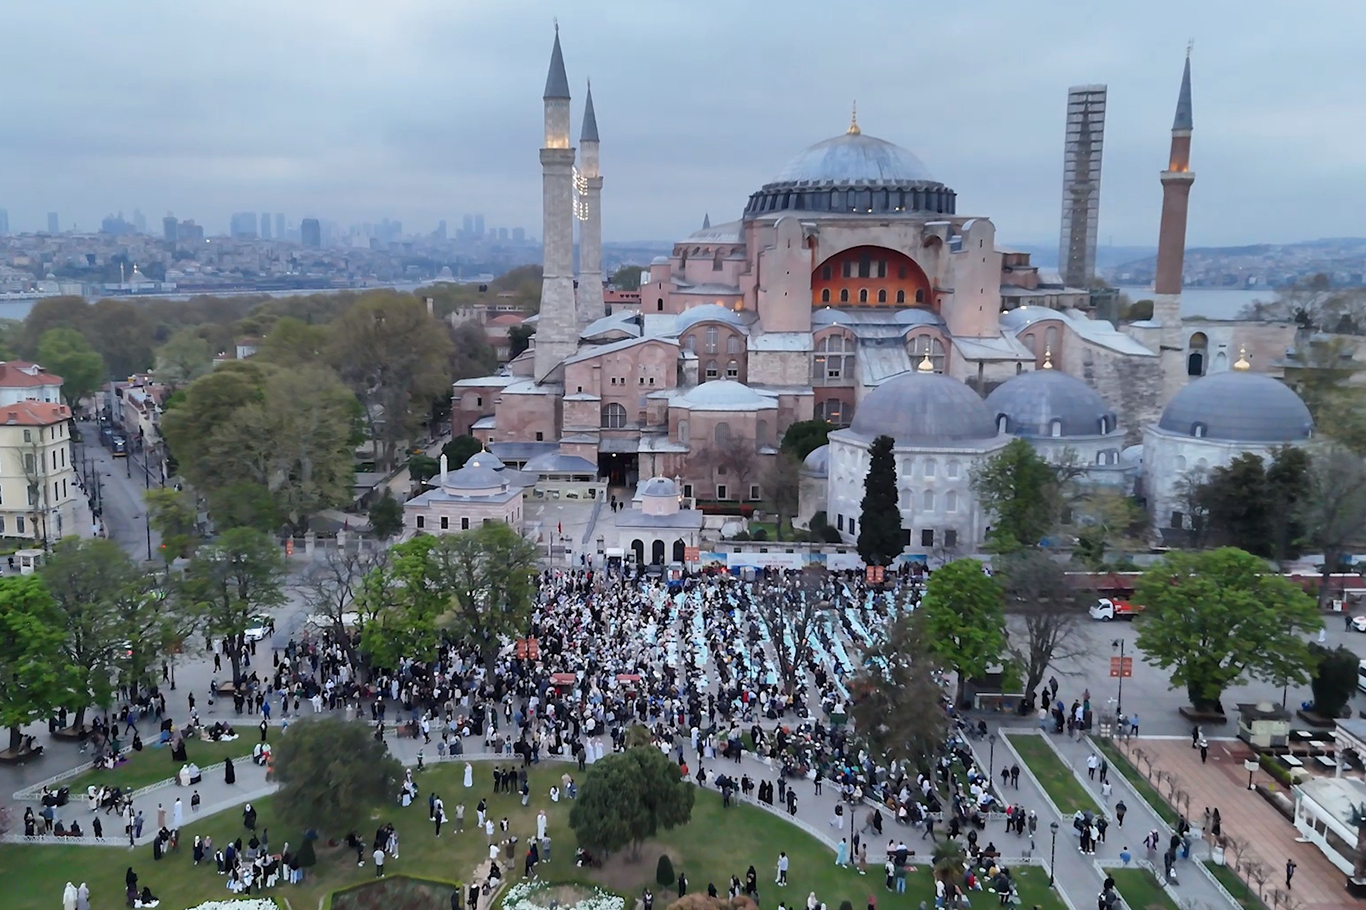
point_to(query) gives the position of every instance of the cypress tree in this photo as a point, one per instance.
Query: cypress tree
(879, 533)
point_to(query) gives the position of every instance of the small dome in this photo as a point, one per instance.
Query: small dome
(1238, 406)
(923, 407)
(473, 481)
(854, 157)
(659, 486)
(817, 463)
(709, 312)
(1032, 401)
(485, 459)
(723, 395)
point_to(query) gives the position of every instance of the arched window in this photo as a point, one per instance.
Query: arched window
(732, 369)
(1198, 430)
(901, 295)
(722, 433)
(927, 501)
(679, 550)
(690, 343)
(953, 469)
(1197, 354)
(1032, 343)
(733, 344)
(682, 431)
(613, 416)
(951, 501)
(844, 295)
(659, 305)
(930, 467)
(711, 369)
(863, 295)
(825, 293)
(761, 432)
(1051, 339)
(882, 295)
(921, 345)
(1181, 462)
(716, 262)
(1055, 427)
(919, 295)
(1002, 423)
(713, 337)
(834, 412)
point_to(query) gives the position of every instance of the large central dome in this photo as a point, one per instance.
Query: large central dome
(852, 158)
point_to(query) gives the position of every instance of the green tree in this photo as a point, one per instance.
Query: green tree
(1237, 501)
(386, 515)
(291, 342)
(879, 532)
(664, 871)
(1334, 510)
(400, 605)
(459, 450)
(231, 581)
(1218, 618)
(208, 403)
(896, 694)
(183, 358)
(628, 798)
(802, 438)
(52, 313)
(422, 468)
(396, 359)
(1335, 679)
(471, 356)
(519, 339)
(173, 514)
(489, 574)
(67, 353)
(1051, 611)
(1022, 490)
(627, 278)
(89, 581)
(35, 676)
(781, 486)
(332, 774)
(1288, 485)
(964, 621)
(121, 332)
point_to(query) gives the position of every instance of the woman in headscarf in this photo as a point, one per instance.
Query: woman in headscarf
(83, 897)
(229, 775)
(69, 897)
(131, 880)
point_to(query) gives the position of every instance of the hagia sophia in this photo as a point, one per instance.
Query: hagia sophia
(851, 288)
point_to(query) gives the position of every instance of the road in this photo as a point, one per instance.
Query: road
(123, 482)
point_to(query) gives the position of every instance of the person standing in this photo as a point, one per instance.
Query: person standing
(1120, 809)
(379, 862)
(1015, 775)
(842, 854)
(783, 863)
(459, 818)
(177, 814)
(1204, 750)
(1290, 867)
(1091, 765)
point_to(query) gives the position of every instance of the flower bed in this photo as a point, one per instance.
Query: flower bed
(539, 895)
(254, 903)
(396, 892)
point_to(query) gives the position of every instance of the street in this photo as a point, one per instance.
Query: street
(122, 484)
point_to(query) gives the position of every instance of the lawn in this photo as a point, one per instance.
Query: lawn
(1053, 775)
(1141, 891)
(1235, 886)
(714, 845)
(154, 764)
(1120, 763)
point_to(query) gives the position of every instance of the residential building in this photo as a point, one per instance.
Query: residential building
(38, 492)
(24, 381)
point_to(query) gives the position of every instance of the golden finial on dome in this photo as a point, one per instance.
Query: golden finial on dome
(1048, 358)
(1242, 363)
(926, 365)
(853, 122)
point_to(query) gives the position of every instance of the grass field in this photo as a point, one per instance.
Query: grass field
(1141, 891)
(1055, 777)
(715, 844)
(154, 764)
(1235, 886)
(1121, 764)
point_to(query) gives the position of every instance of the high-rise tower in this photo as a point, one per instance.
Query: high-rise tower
(591, 305)
(557, 333)
(1082, 149)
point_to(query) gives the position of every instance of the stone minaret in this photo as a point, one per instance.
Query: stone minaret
(557, 333)
(591, 304)
(1171, 239)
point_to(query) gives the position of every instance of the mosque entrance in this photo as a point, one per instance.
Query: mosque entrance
(622, 469)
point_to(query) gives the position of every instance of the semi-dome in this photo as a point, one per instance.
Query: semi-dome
(1238, 406)
(923, 408)
(1034, 402)
(708, 312)
(485, 459)
(723, 395)
(854, 174)
(817, 463)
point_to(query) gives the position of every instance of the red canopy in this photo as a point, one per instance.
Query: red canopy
(563, 679)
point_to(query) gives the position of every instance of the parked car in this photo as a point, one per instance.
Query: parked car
(259, 628)
(1359, 623)
(1110, 608)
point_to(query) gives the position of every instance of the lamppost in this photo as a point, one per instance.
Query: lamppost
(1249, 765)
(991, 759)
(1119, 704)
(1052, 851)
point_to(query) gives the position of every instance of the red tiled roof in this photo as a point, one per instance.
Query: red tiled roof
(33, 414)
(13, 375)
(507, 319)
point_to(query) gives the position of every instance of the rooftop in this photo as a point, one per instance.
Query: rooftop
(34, 414)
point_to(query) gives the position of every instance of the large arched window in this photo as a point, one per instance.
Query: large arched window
(761, 433)
(711, 369)
(927, 501)
(713, 338)
(834, 359)
(834, 412)
(733, 369)
(922, 345)
(613, 416)
(825, 295)
(733, 344)
(682, 431)
(1197, 354)
(722, 433)
(690, 343)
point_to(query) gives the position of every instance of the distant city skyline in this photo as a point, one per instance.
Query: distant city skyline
(421, 111)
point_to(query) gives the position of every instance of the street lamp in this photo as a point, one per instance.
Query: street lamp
(1052, 852)
(991, 760)
(1249, 765)
(1119, 704)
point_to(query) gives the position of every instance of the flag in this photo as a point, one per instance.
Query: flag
(560, 526)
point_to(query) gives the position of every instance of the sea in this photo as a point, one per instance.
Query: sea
(1206, 303)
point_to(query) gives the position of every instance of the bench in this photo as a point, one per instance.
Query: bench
(1325, 762)
(1000, 702)
(1291, 761)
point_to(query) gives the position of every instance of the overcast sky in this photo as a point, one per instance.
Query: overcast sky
(357, 110)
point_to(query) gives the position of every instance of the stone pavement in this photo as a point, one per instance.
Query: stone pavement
(1266, 836)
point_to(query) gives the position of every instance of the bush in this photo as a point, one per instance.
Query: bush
(845, 905)
(1271, 766)
(831, 535)
(760, 534)
(664, 872)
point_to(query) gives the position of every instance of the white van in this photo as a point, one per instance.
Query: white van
(1361, 675)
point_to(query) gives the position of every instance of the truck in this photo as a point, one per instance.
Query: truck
(1107, 609)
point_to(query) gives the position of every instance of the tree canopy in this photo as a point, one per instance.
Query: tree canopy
(333, 774)
(896, 696)
(231, 581)
(879, 533)
(1218, 618)
(184, 357)
(802, 438)
(964, 621)
(1257, 507)
(627, 278)
(629, 797)
(36, 677)
(1051, 611)
(1333, 512)
(67, 353)
(1022, 491)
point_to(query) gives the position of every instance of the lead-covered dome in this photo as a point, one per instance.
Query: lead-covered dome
(817, 463)
(923, 408)
(1238, 406)
(854, 174)
(1034, 402)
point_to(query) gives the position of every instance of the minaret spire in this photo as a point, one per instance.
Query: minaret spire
(557, 335)
(590, 303)
(589, 133)
(556, 82)
(706, 221)
(1176, 187)
(1183, 120)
